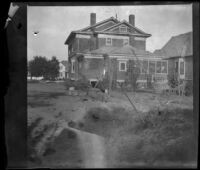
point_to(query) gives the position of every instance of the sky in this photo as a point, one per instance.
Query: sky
(55, 23)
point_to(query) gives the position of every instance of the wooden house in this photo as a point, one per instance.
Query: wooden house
(121, 41)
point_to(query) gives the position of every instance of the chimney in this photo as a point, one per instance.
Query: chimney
(132, 20)
(92, 19)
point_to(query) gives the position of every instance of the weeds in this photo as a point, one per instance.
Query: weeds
(153, 137)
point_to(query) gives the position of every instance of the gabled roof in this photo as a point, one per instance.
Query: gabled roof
(125, 50)
(177, 46)
(129, 25)
(99, 23)
(89, 30)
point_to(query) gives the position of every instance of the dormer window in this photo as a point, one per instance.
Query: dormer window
(108, 41)
(123, 28)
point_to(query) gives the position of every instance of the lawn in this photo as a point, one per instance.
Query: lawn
(158, 131)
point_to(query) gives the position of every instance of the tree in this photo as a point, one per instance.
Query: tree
(40, 66)
(52, 69)
(37, 66)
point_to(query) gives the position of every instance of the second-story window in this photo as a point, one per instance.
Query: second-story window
(108, 41)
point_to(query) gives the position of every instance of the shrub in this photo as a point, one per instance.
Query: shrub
(189, 88)
(81, 84)
(103, 84)
(69, 83)
(172, 80)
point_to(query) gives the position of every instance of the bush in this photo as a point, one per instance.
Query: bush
(69, 83)
(81, 84)
(172, 80)
(189, 88)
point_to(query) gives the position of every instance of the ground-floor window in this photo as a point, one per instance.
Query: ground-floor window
(182, 68)
(122, 66)
(161, 67)
(153, 66)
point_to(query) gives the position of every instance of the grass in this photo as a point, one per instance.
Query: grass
(42, 99)
(64, 151)
(34, 137)
(152, 138)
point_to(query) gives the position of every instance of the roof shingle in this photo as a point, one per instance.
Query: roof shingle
(177, 46)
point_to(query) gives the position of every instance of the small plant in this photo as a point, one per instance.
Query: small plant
(172, 80)
(69, 83)
(189, 88)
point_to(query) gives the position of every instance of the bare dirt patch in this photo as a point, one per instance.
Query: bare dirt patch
(130, 137)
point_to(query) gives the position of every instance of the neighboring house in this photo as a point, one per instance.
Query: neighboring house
(179, 53)
(63, 70)
(122, 41)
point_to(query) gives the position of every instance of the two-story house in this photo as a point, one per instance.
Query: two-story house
(122, 41)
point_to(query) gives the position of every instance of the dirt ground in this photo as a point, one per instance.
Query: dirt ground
(51, 103)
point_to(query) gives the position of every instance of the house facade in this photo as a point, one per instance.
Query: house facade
(122, 41)
(63, 70)
(178, 52)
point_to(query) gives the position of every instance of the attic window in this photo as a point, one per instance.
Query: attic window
(108, 41)
(123, 29)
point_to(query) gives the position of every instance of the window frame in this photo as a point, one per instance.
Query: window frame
(72, 66)
(110, 41)
(122, 62)
(122, 26)
(183, 68)
(166, 67)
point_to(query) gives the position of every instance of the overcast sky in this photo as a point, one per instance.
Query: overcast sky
(55, 24)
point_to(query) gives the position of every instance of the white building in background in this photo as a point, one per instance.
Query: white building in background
(63, 70)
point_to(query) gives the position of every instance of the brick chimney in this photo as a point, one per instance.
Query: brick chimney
(92, 19)
(132, 20)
